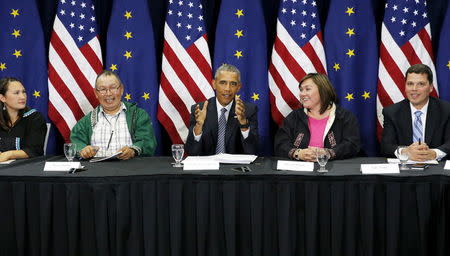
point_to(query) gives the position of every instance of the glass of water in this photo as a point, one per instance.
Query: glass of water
(403, 156)
(177, 153)
(70, 151)
(322, 159)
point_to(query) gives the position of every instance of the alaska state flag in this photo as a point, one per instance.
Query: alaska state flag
(351, 49)
(241, 41)
(443, 59)
(23, 54)
(131, 54)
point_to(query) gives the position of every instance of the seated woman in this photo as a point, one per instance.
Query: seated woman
(22, 130)
(319, 124)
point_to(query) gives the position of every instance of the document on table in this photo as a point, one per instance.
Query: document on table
(396, 161)
(111, 157)
(8, 162)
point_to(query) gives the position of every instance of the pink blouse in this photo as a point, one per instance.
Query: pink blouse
(317, 128)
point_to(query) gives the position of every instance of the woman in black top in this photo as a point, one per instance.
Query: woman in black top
(22, 130)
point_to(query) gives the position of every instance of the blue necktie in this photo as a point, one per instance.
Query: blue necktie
(417, 127)
(221, 134)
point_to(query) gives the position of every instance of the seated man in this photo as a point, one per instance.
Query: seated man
(114, 125)
(420, 122)
(223, 124)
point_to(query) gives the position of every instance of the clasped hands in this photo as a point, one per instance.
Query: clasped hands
(200, 115)
(307, 154)
(420, 152)
(90, 151)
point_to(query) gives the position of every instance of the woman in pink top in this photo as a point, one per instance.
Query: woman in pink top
(320, 123)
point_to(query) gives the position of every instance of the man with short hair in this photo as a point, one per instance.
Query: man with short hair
(114, 125)
(223, 124)
(420, 122)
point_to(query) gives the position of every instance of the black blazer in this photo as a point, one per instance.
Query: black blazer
(397, 129)
(234, 142)
(342, 139)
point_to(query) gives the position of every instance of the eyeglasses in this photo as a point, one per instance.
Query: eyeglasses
(103, 91)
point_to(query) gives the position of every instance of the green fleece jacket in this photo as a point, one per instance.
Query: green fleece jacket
(139, 125)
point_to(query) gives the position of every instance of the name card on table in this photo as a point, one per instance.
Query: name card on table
(379, 168)
(295, 166)
(193, 163)
(61, 166)
(447, 165)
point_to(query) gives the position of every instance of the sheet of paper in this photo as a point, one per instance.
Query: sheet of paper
(8, 162)
(111, 157)
(61, 166)
(379, 168)
(396, 161)
(295, 166)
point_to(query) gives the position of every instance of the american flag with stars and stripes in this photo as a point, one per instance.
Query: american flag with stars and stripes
(186, 67)
(405, 41)
(298, 50)
(75, 59)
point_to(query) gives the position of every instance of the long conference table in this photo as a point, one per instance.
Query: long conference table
(147, 207)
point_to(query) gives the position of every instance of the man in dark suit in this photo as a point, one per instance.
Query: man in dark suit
(223, 124)
(420, 122)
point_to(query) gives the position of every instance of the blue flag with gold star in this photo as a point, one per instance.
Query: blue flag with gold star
(23, 54)
(351, 49)
(443, 59)
(131, 54)
(241, 41)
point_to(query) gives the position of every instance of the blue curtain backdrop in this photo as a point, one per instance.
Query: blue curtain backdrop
(130, 52)
(23, 55)
(351, 49)
(241, 41)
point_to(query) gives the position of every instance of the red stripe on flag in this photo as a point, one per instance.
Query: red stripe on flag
(426, 41)
(64, 92)
(276, 115)
(384, 97)
(58, 120)
(286, 94)
(410, 53)
(293, 66)
(175, 99)
(73, 68)
(169, 126)
(92, 58)
(182, 73)
(201, 62)
(392, 68)
(312, 55)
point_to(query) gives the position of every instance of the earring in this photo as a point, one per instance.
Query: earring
(4, 107)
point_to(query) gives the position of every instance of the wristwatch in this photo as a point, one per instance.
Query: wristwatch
(246, 125)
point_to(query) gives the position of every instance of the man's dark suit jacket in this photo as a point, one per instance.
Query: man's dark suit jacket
(398, 130)
(234, 142)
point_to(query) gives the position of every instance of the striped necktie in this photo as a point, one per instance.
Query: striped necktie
(221, 134)
(417, 127)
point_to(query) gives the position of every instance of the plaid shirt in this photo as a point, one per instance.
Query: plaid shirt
(111, 132)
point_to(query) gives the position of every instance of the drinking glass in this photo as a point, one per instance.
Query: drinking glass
(322, 159)
(403, 156)
(70, 151)
(177, 153)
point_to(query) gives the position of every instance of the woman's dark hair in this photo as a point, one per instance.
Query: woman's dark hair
(5, 120)
(326, 90)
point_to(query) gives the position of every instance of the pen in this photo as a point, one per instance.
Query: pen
(419, 141)
(109, 142)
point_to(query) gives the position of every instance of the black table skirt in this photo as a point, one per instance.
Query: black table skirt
(173, 214)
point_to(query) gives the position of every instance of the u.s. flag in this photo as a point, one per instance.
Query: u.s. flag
(75, 59)
(405, 41)
(186, 67)
(297, 50)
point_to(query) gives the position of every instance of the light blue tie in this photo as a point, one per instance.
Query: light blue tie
(418, 127)
(221, 134)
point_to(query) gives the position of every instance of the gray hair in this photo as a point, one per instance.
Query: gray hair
(228, 68)
(108, 73)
